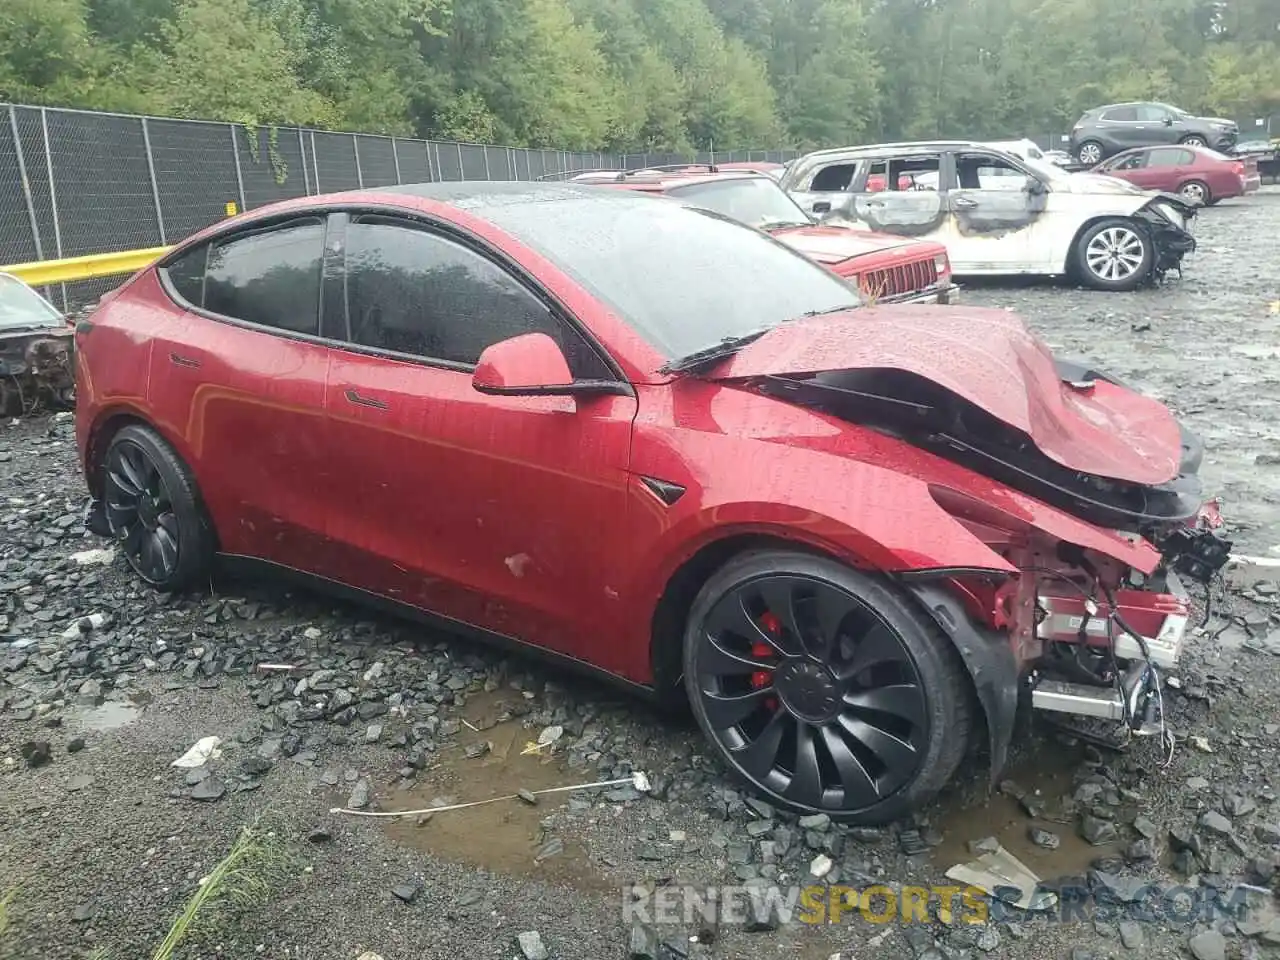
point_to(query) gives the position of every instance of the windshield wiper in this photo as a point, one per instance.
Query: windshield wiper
(726, 347)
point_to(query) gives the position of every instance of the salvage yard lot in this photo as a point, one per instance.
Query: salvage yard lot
(107, 842)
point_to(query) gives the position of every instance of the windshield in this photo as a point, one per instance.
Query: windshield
(20, 306)
(682, 278)
(756, 202)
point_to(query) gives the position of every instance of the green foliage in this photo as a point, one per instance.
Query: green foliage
(635, 75)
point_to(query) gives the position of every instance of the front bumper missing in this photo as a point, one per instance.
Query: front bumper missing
(1160, 618)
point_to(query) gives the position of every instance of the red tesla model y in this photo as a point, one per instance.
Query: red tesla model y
(653, 442)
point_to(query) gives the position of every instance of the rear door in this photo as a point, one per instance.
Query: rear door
(901, 194)
(1121, 127)
(1165, 168)
(494, 511)
(239, 380)
(821, 187)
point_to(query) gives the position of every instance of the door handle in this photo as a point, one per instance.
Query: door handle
(181, 361)
(964, 201)
(354, 397)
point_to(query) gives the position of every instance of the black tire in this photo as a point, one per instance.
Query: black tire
(153, 508)
(1091, 153)
(892, 655)
(1197, 191)
(1132, 252)
(1194, 141)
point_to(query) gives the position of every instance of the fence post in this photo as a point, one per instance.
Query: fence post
(53, 198)
(315, 161)
(462, 171)
(355, 148)
(528, 163)
(487, 174)
(302, 155)
(26, 184)
(235, 153)
(432, 168)
(151, 170)
(395, 156)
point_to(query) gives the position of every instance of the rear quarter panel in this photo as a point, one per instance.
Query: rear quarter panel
(113, 357)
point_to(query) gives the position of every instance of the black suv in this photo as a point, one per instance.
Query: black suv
(1106, 131)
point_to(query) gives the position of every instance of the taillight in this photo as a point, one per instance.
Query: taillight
(1238, 166)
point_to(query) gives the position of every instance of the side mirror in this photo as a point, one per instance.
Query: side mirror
(822, 206)
(1168, 121)
(532, 365)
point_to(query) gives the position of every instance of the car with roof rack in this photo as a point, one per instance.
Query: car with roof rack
(885, 268)
(999, 214)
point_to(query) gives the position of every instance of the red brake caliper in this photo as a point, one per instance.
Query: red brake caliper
(764, 678)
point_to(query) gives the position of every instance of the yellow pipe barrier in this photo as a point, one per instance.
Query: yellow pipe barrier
(46, 272)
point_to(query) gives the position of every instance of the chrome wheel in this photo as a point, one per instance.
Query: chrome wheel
(1115, 254)
(140, 512)
(1090, 154)
(810, 693)
(1195, 142)
(1195, 192)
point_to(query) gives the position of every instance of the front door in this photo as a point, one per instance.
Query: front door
(494, 511)
(1000, 217)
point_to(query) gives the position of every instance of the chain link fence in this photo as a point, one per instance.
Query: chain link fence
(74, 182)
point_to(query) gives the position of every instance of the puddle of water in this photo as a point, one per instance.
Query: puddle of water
(1046, 776)
(502, 837)
(109, 716)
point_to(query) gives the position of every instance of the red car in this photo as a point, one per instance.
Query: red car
(654, 443)
(888, 269)
(1199, 174)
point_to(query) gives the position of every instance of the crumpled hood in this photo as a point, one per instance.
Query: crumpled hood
(989, 358)
(828, 245)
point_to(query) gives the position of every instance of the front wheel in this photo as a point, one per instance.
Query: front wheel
(153, 510)
(1194, 141)
(825, 689)
(1114, 255)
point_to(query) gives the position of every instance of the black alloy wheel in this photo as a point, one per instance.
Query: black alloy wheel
(152, 509)
(825, 690)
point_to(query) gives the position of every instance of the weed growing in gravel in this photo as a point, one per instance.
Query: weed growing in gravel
(257, 862)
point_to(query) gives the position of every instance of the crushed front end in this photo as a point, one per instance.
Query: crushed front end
(36, 344)
(1169, 220)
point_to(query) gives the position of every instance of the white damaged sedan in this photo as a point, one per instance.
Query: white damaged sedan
(999, 214)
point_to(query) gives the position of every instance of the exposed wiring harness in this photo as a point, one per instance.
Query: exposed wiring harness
(1113, 620)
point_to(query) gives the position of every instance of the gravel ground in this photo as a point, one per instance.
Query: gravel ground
(106, 840)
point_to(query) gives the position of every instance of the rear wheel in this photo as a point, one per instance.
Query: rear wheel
(1196, 191)
(1114, 255)
(1090, 153)
(153, 510)
(823, 688)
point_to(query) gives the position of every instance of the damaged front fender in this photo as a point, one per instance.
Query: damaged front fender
(1168, 220)
(36, 352)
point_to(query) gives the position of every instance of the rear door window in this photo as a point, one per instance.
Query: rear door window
(270, 277)
(1168, 158)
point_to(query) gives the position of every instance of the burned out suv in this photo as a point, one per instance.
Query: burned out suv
(1105, 131)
